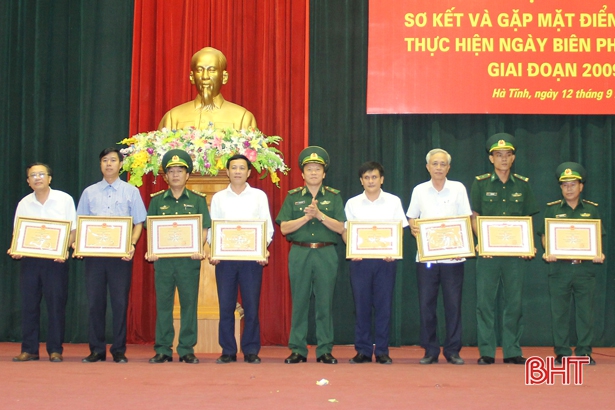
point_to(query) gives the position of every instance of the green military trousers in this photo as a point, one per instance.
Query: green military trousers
(184, 274)
(490, 274)
(572, 281)
(312, 271)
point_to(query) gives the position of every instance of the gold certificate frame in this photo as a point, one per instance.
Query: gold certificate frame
(108, 236)
(573, 238)
(41, 238)
(445, 238)
(505, 236)
(239, 240)
(374, 240)
(174, 236)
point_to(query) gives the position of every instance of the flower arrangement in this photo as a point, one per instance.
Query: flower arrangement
(209, 148)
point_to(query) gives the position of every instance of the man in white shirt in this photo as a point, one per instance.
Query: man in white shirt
(438, 198)
(239, 201)
(373, 280)
(43, 277)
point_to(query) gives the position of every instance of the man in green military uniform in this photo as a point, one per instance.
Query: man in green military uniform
(312, 217)
(500, 193)
(180, 273)
(571, 278)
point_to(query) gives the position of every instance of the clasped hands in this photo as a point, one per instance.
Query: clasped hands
(312, 211)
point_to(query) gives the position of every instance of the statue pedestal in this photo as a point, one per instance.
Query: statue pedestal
(208, 314)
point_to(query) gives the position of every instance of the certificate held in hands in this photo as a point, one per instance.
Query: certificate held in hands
(573, 238)
(174, 236)
(41, 238)
(505, 236)
(444, 238)
(238, 240)
(103, 236)
(374, 240)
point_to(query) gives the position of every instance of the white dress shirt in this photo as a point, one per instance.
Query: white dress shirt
(59, 205)
(250, 204)
(387, 207)
(427, 202)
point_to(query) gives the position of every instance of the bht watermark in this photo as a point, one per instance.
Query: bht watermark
(539, 370)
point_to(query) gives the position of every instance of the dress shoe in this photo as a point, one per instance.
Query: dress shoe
(119, 358)
(95, 357)
(455, 359)
(189, 358)
(486, 360)
(25, 357)
(558, 359)
(429, 360)
(384, 359)
(55, 358)
(327, 358)
(295, 358)
(361, 358)
(161, 358)
(251, 358)
(226, 358)
(515, 360)
(592, 362)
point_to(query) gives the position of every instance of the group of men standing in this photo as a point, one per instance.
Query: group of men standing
(312, 218)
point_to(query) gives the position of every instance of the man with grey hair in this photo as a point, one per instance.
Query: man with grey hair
(438, 198)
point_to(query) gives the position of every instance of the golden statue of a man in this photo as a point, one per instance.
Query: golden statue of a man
(208, 74)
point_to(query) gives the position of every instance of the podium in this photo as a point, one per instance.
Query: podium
(208, 313)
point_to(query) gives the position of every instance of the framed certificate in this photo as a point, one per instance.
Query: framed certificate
(374, 240)
(445, 238)
(174, 236)
(103, 236)
(505, 236)
(573, 238)
(41, 238)
(239, 240)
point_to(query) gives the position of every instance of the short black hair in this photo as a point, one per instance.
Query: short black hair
(238, 156)
(108, 151)
(42, 164)
(370, 166)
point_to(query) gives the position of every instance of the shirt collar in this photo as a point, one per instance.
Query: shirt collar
(169, 193)
(306, 191)
(230, 189)
(115, 185)
(495, 176)
(365, 198)
(443, 187)
(581, 204)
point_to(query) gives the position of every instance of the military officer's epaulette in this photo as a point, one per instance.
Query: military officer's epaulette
(521, 177)
(484, 176)
(294, 191)
(199, 193)
(157, 193)
(590, 202)
(559, 201)
(332, 190)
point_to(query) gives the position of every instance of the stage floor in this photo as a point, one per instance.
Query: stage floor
(275, 385)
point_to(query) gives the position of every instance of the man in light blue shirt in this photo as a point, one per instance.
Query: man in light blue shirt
(110, 197)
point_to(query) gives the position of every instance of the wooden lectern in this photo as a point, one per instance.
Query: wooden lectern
(208, 314)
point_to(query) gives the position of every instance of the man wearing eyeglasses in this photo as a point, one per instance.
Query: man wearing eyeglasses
(110, 197)
(43, 277)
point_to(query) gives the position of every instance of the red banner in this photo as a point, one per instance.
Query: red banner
(481, 56)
